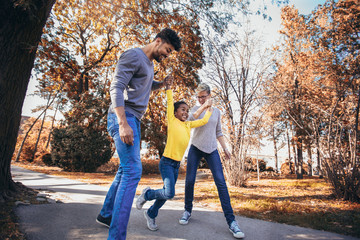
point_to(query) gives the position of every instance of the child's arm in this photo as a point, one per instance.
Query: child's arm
(202, 108)
(170, 100)
(202, 121)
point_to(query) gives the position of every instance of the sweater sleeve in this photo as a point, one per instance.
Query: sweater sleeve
(126, 67)
(218, 127)
(170, 106)
(200, 122)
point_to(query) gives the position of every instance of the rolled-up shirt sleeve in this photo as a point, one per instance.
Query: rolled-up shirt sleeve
(126, 67)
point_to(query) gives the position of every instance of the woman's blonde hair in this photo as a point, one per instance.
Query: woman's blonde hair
(203, 87)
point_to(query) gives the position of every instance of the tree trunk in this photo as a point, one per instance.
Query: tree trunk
(25, 137)
(38, 138)
(20, 32)
(52, 126)
(299, 172)
(310, 163)
(289, 149)
(275, 150)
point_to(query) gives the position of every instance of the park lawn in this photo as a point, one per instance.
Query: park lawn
(307, 202)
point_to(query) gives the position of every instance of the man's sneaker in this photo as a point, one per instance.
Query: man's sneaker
(141, 199)
(236, 231)
(185, 218)
(103, 221)
(150, 222)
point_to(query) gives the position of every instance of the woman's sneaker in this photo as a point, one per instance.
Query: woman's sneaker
(150, 222)
(236, 231)
(185, 218)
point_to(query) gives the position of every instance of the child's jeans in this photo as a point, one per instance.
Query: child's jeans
(169, 170)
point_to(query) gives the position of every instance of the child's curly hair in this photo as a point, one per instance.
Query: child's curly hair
(177, 104)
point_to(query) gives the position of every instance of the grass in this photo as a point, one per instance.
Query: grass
(308, 202)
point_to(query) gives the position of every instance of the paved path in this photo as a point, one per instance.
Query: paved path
(73, 217)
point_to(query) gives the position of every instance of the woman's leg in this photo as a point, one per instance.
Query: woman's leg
(214, 162)
(193, 160)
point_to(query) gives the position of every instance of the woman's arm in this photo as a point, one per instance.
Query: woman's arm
(221, 140)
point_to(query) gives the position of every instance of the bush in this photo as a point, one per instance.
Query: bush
(76, 148)
(47, 160)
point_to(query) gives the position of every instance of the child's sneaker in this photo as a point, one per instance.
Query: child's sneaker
(141, 199)
(185, 218)
(236, 231)
(150, 222)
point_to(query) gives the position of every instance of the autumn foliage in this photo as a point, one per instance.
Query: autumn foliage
(316, 90)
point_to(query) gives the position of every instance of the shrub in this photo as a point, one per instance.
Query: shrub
(76, 148)
(47, 160)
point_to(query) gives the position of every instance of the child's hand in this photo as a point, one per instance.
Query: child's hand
(208, 103)
(210, 109)
(168, 81)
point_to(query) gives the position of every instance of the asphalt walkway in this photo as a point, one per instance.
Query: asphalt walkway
(72, 206)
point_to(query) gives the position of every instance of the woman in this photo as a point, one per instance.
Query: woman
(204, 144)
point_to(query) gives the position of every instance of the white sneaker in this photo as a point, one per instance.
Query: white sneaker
(185, 218)
(141, 199)
(235, 229)
(150, 222)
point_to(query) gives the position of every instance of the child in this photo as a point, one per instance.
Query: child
(178, 137)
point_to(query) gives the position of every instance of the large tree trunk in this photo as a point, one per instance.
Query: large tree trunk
(20, 31)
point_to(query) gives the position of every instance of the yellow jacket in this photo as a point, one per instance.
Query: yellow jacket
(178, 132)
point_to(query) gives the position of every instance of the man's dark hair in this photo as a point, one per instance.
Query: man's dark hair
(170, 36)
(177, 105)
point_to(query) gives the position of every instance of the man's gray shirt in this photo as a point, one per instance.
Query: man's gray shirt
(133, 82)
(205, 137)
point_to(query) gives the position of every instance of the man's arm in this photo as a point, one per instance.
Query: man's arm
(125, 131)
(157, 85)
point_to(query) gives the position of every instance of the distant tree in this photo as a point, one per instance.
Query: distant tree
(237, 69)
(317, 85)
(20, 31)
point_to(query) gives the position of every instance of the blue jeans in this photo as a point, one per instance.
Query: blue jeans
(169, 170)
(214, 163)
(121, 194)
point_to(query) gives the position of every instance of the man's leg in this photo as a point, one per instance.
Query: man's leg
(193, 160)
(106, 211)
(131, 173)
(214, 162)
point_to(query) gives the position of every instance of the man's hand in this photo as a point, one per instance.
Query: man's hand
(126, 133)
(168, 81)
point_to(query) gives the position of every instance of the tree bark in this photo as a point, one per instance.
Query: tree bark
(289, 148)
(20, 33)
(275, 149)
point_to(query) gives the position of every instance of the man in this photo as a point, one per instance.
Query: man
(130, 91)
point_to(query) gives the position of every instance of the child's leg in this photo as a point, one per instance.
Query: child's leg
(169, 170)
